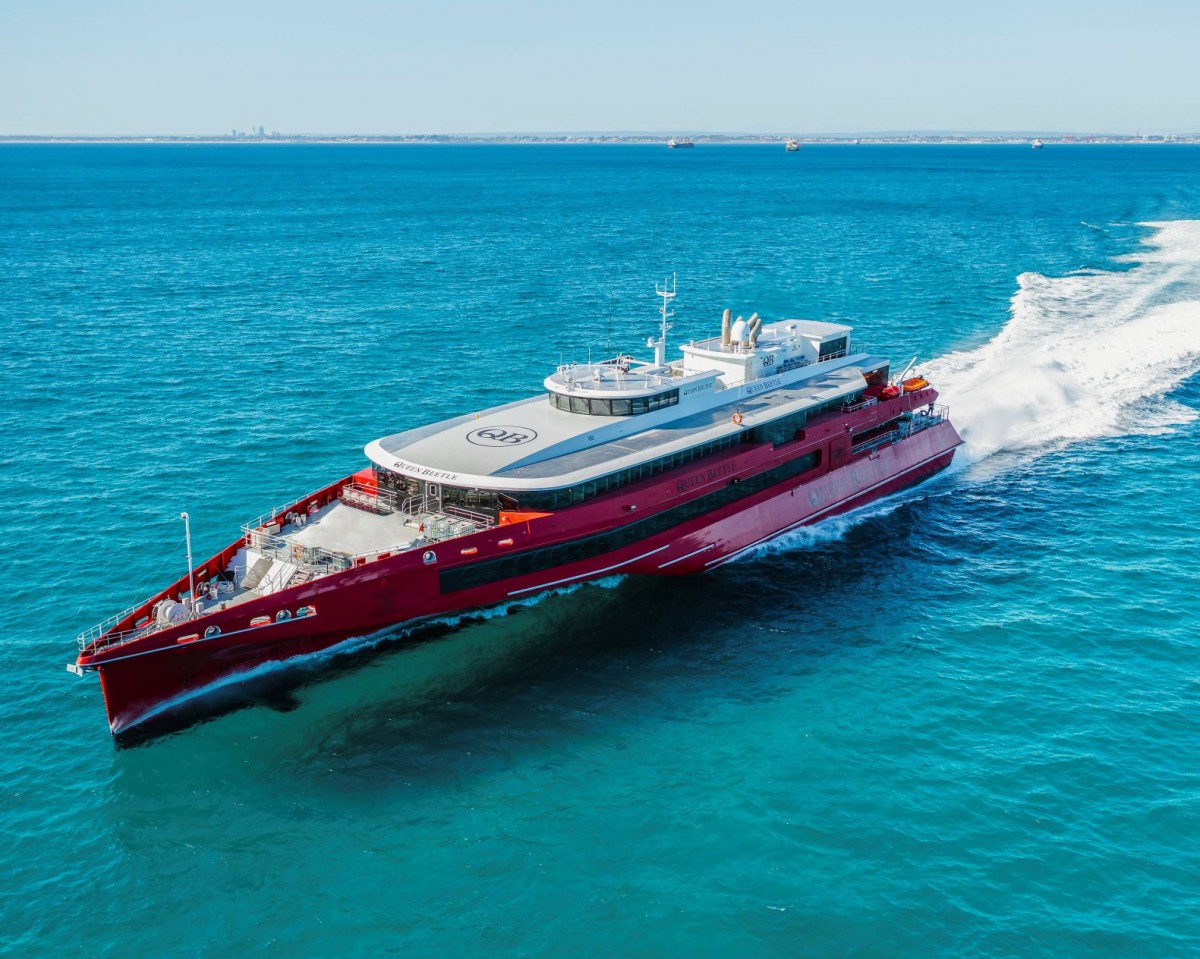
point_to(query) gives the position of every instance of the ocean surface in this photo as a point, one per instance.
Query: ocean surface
(963, 722)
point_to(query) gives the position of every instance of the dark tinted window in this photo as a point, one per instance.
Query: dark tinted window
(506, 567)
(832, 348)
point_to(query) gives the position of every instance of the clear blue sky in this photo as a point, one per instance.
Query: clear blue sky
(460, 66)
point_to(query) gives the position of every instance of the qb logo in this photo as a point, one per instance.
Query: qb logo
(501, 436)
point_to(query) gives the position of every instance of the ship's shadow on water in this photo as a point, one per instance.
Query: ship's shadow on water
(596, 648)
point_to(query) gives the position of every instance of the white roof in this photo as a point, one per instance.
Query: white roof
(531, 444)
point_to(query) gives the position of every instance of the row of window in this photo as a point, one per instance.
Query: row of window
(605, 407)
(787, 428)
(780, 431)
(792, 363)
(777, 432)
(589, 547)
(548, 501)
(556, 499)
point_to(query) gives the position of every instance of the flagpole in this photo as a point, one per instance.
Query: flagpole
(187, 533)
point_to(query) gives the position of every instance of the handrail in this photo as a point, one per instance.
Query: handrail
(441, 522)
(481, 520)
(920, 419)
(94, 633)
(314, 559)
(278, 511)
(875, 442)
(358, 495)
(114, 639)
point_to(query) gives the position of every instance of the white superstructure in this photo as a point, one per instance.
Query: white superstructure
(600, 417)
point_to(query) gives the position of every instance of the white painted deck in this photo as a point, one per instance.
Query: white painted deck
(343, 529)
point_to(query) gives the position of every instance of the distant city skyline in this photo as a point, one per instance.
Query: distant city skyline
(260, 135)
(466, 67)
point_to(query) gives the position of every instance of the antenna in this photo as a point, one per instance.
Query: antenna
(660, 345)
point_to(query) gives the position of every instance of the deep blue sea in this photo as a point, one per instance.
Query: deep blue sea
(964, 722)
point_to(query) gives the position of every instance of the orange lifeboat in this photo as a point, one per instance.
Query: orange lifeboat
(914, 383)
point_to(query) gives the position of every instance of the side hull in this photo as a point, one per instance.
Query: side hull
(864, 481)
(144, 684)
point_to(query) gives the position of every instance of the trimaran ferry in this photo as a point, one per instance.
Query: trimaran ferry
(620, 466)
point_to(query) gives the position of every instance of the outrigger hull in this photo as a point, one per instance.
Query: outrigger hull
(149, 682)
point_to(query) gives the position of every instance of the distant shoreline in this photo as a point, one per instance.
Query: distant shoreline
(631, 139)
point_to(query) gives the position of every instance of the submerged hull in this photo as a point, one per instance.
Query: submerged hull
(686, 523)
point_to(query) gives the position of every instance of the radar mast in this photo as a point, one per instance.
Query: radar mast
(660, 345)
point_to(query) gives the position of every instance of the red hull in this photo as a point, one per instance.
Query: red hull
(147, 678)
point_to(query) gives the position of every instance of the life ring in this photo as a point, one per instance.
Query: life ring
(737, 419)
(297, 552)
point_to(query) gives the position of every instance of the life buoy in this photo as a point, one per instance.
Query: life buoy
(297, 552)
(737, 419)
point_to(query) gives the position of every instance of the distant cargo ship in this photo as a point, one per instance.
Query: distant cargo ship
(681, 144)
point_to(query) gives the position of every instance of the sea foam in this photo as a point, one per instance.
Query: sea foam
(1090, 354)
(1083, 356)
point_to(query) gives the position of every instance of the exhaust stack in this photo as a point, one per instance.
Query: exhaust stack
(755, 326)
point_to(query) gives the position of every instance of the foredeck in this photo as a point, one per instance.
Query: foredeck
(284, 548)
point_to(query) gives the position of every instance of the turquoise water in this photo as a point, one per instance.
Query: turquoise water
(963, 722)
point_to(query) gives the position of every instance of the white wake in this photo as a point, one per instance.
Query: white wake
(1084, 356)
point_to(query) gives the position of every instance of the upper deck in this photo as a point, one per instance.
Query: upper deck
(597, 417)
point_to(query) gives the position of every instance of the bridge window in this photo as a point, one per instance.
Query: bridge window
(831, 349)
(594, 406)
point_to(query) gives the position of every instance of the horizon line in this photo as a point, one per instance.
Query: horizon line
(253, 135)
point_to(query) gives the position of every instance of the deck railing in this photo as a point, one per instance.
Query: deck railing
(860, 405)
(92, 635)
(478, 520)
(101, 629)
(369, 498)
(315, 560)
(918, 420)
(434, 521)
(279, 512)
